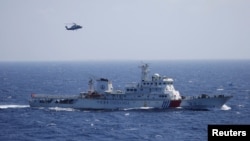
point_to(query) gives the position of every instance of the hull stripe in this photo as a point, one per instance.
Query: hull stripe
(165, 103)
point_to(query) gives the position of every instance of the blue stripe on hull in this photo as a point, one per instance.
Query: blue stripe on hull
(165, 103)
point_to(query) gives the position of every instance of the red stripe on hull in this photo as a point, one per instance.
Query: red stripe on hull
(175, 103)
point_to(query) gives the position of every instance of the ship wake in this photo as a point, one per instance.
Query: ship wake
(13, 106)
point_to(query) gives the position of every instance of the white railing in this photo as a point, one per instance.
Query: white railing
(54, 96)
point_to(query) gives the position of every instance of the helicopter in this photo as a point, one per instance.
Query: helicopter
(73, 27)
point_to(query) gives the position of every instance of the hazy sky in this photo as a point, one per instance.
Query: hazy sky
(34, 30)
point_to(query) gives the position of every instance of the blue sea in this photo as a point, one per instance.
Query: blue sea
(19, 122)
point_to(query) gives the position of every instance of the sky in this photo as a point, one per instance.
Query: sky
(34, 30)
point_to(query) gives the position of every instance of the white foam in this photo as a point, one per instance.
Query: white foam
(62, 109)
(51, 124)
(132, 129)
(220, 89)
(13, 106)
(241, 105)
(225, 107)
(138, 108)
(146, 108)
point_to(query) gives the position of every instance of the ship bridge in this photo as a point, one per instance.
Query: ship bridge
(158, 82)
(155, 85)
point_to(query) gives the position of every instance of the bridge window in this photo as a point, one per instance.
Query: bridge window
(131, 90)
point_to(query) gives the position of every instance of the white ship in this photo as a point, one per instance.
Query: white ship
(151, 92)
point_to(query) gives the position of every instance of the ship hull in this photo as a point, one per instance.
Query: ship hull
(97, 104)
(196, 103)
(204, 103)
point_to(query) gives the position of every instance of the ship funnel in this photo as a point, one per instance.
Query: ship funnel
(104, 85)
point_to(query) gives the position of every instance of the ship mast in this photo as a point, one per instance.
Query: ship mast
(91, 86)
(144, 72)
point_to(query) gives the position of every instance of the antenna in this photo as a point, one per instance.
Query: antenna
(144, 71)
(91, 86)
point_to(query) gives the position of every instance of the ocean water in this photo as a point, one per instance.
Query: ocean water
(20, 122)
